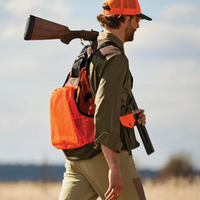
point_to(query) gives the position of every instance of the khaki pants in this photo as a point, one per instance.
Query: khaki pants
(88, 179)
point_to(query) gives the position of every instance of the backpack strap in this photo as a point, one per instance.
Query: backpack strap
(79, 62)
(100, 47)
(108, 43)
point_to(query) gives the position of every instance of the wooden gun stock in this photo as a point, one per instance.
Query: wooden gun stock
(41, 29)
(143, 132)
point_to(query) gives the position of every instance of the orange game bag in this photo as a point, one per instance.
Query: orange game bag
(70, 129)
(71, 111)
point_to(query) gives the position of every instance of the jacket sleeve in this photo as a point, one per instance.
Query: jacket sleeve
(108, 103)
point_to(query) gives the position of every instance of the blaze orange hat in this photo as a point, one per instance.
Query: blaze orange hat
(124, 7)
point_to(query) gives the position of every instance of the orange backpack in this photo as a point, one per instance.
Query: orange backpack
(72, 106)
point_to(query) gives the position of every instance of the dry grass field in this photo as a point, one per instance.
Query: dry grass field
(174, 189)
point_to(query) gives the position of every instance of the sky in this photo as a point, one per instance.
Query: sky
(164, 59)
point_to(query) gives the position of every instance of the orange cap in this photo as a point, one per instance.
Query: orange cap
(125, 7)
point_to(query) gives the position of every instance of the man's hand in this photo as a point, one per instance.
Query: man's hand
(141, 116)
(115, 178)
(115, 184)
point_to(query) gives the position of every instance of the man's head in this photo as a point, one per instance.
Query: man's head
(118, 13)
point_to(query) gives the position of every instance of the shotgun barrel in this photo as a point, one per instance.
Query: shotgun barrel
(143, 132)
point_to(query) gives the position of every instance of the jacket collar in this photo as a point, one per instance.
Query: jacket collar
(108, 36)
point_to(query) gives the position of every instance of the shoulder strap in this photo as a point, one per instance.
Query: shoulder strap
(104, 45)
(100, 47)
(77, 65)
(79, 62)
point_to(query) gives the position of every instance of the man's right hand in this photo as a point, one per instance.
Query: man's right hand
(115, 184)
(115, 179)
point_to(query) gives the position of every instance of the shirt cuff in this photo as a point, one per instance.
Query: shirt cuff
(109, 140)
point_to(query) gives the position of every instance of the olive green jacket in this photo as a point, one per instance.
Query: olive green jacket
(110, 83)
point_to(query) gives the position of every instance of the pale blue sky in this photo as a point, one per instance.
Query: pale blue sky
(164, 60)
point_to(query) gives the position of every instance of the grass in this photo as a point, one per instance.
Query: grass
(29, 191)
(173, 189)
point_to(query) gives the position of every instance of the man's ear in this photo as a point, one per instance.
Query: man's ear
(126, 19)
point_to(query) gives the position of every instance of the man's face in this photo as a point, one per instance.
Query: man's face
(130, 29)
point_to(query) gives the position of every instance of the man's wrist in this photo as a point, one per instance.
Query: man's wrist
(114, 166)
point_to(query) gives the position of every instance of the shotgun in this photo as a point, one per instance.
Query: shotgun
(143, 131)
(42, 29)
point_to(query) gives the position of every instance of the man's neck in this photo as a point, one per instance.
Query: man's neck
(117, 32)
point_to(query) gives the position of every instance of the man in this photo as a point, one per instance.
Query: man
(111, 173)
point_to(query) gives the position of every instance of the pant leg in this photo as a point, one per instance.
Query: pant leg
(96, 172)
(133, 188)
(75, 186)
